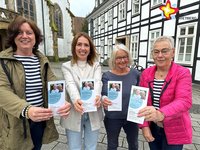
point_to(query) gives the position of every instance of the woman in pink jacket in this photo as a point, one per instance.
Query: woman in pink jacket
(167, 123)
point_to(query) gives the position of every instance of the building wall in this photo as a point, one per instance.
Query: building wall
(146, 25)
(43, 22)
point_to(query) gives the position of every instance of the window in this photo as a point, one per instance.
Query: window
(156, 2)
(136, 6)
(134, 46)
(102, 21)
(96, 24)
(58, 20)
(102, 51)
(185, 44)
(110, 47)
(122, 11)
(110, 17)
(27, 8)
(152, 36)
(96, 3)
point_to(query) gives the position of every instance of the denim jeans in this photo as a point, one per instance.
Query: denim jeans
(88, 137)
(113, 128)
(160, 142)
(37, 130)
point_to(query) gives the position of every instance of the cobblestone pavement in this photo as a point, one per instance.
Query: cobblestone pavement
(61, 143)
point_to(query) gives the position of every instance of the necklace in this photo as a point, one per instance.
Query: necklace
(160, 75)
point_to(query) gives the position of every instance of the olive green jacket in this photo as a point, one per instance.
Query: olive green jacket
(13, 100)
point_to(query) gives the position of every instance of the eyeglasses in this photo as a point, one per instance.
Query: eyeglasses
(163, 51)
(125, 58)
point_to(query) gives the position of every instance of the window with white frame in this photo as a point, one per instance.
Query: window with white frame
(135, 6)
(134, 46)
(122, 10)
(110, 17)
(96, 3)
(96, 24)
(152, 36)
(110, 47)
(102, 21)
(185, 44)
(156, 2)
(102, 50)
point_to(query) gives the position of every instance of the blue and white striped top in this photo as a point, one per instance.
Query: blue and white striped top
(157, 88)
(33, 80)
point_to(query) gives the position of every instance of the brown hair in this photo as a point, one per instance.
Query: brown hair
(93, 53)
(13, 30)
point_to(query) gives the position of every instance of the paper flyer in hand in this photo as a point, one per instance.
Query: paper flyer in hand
(138, 100)
(56, 95)
(88, 95)
(115, 95)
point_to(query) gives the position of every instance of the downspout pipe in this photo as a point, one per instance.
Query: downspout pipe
(44, 40)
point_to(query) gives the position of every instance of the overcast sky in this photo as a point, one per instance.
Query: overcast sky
(81, 8)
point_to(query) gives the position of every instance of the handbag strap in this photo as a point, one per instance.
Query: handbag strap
(6, 72)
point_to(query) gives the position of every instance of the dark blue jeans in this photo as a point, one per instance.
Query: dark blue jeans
(113, 128)
(37, 130)
(160, 142)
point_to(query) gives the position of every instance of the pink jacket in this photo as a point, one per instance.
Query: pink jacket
(175, 102)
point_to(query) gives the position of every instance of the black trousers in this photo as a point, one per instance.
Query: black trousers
(37, 131)
(113, 128)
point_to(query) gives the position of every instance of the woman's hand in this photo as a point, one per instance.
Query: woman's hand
(38, 114)
(151, 114)
(106, 102)
(64, 111)
(147, 134)
(78, 105)
(98, 101)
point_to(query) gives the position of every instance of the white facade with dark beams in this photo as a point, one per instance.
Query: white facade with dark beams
(136, 23)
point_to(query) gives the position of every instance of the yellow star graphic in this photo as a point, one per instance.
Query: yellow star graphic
(168, 10)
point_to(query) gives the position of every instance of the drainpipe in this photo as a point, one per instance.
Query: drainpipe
(44, 40)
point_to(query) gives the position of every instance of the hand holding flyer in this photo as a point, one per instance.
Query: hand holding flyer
(56, 95)
(115, 95)
(138, 100)
(88, 95)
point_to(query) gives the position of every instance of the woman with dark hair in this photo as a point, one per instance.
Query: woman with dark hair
(82, 66)
(25, 120)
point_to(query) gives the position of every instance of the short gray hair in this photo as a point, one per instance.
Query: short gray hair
(169, 39)
(116, 48)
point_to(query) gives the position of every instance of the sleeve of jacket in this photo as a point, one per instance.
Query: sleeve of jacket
(182, 101)
(142, 83)
(105, 84)
(71, 86)
(9, 101)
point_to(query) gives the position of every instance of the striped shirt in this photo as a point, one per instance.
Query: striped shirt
(33, 80)
(157, 88)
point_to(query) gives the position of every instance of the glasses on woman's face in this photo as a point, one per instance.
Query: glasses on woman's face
(120, 58)
(163, 51)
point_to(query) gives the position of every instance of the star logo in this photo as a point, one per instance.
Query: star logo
(168, 10)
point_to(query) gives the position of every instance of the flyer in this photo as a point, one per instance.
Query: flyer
(88, 95)
(138, 100)
(115, 95)
(56, 95)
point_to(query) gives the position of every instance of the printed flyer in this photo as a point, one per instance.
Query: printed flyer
(138, 100)
(88, 95)
(56, 95)
(115, 95)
